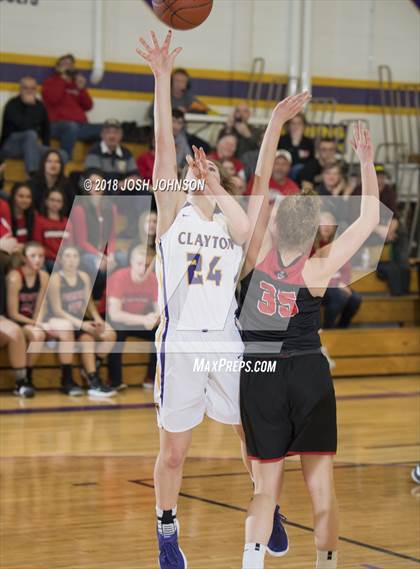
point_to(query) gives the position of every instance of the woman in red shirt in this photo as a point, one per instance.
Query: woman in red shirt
(52, 227)
(22, 212)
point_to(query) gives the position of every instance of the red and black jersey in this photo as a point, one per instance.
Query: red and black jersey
(276, 306)
(28, 295)
(73, 298)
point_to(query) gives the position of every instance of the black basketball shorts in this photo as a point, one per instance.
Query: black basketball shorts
(290, 409)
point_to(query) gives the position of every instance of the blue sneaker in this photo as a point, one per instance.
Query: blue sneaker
(278, 544)
(171, 555)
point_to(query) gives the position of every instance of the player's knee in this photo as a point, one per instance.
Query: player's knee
(173, 458)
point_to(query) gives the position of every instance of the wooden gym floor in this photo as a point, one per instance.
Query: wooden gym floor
(77, 490)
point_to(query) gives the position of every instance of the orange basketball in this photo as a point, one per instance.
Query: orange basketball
(182, 14)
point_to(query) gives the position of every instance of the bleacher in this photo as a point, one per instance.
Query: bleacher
(15, 169)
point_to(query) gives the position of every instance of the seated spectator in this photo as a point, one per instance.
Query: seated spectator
(115, 160)
(26, 288)
(67, 100)
(300, 146)
(94, 223)
(11, 335)
(182, 97)
(229, 166)
(26, 129)
(280, 183)
(69, 297)
(52, 227)
(225, 150)
(146, 161)
(8, 243)
(396, 271)
(249, 159)
(5, 219)
(246, 135)
(22, 212)
(132, 310)
(50, 176)
(183, 140)
(327, 155)
(340, 301)
(240, 185)
(334, 184)
(146, 236)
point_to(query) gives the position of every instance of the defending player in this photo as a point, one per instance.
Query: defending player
(199, 251)
(292, 409)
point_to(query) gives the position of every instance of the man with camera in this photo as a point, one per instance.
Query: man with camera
(67, 101)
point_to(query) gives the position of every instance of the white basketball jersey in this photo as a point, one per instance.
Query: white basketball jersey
(197, 265)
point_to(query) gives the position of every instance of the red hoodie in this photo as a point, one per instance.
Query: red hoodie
(64, 101)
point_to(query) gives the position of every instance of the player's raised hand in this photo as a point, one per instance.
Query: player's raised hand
(291, 106)
(362, 143)
(160, 59)
(198, 164)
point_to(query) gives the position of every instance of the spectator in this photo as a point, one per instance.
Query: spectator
(146, 161)
(94, 222)
(246, 135)
(11, 335)
(225, 150)
(114, 160)
(240, 185)
(67, 100)
(147, 229)
(327, 155)
(146, 236)
(26, 288)
(26, 129)
(69, 299)
(8, 243)
(132, 310)
(340, 301)
(52, 227)
(396, 271)
(50, 176)
(183, 140)
(280, 183)
(5, 219)
(300, 146)
(229, 166)
(249, 159)
(182, 97)
(333, 185)
(22, 212)
(182, 145)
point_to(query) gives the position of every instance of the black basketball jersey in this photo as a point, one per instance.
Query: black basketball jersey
(277, 307)
(28, 295)
(73, 298)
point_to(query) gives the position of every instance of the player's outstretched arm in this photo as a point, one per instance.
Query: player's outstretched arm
(161, 61)
(236, 218)
(322, 267)
(258, 213)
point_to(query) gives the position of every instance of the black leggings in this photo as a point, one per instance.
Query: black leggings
(115, 358)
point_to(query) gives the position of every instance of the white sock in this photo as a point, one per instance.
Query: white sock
(166, 521)
(326, 560)
(254, 554)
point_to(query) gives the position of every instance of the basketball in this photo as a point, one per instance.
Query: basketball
(182, 14)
